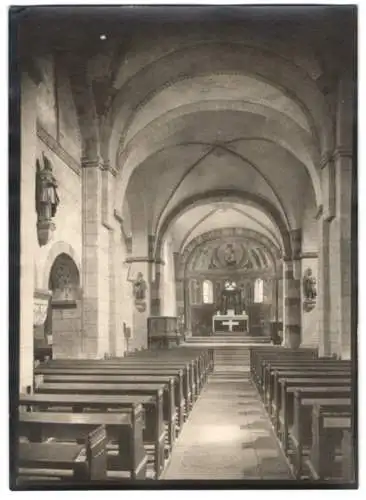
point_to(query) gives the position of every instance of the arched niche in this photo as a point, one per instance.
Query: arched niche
(63, 323)
(64, 281)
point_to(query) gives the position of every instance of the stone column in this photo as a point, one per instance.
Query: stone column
(109, 223)
(155, 290)
(91, 232)
(343, 167)
(28, 226)
(291, 303)
(323, 288)
(335, 233)
(345, 133)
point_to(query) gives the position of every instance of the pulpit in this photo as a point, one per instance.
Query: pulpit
(163, 332)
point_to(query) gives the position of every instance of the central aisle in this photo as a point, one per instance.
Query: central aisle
(228, 435)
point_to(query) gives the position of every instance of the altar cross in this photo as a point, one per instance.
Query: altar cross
(230, 323)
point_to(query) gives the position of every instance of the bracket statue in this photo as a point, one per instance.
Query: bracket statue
(47, 200)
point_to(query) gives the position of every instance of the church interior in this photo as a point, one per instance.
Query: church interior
(187, 263)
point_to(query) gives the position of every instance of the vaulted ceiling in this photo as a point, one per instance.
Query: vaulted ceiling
(190, 116)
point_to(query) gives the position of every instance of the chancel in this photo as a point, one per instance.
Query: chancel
(187, 186)
(232, 316)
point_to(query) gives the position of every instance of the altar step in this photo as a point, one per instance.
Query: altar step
(226, 339)
(229, 359)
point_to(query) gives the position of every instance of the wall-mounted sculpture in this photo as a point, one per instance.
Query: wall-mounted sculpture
(309, 290)
(41, 300)
(47, 200)
(139, 292)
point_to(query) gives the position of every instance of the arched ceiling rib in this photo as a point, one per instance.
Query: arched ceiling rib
(222, 87)
(207, 217)
(218, 116)
(208, 59)
(207, 127)
(223, 195)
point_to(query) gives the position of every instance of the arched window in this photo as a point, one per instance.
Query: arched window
(258, 290)
(207, 292)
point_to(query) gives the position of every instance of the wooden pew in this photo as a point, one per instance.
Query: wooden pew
(274, 370)
(150, 389)
(198, 360)
(301, 434)
(260, 355)
(174, 383)
(206, 355)
(328, 426)
(123, 428)
(184, 380)
(190, 375)
(348, 447)
(66, 461)
(274, 398)
(306, 387)
(154, 431)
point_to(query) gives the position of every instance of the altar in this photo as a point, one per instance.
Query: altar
(230, 323)
(230, 316)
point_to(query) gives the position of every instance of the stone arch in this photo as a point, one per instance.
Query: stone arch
(61, 247)
(284, 134)
(64, 278)
(214, 234)
(252, 165)
(240, 57)
(238, 195)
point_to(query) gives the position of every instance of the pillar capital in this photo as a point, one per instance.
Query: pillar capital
(107, 167)
(96, 162)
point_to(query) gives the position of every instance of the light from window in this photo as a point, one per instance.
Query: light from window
(258, 290)
(207, 292)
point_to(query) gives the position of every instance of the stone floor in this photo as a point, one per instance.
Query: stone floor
(228, 435)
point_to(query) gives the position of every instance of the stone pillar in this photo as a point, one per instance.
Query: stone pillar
(109, 293)
(343, 168)
(28, 226)
(335, 233)
(291, 304)
(155, 290)
(323, 288)
(91, 232)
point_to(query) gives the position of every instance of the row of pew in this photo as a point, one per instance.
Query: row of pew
(114, 419)
(309, 401)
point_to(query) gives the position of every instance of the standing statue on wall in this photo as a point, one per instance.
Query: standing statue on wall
(309, 285)
(139, 292)
(47, 200)
(309, 290)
